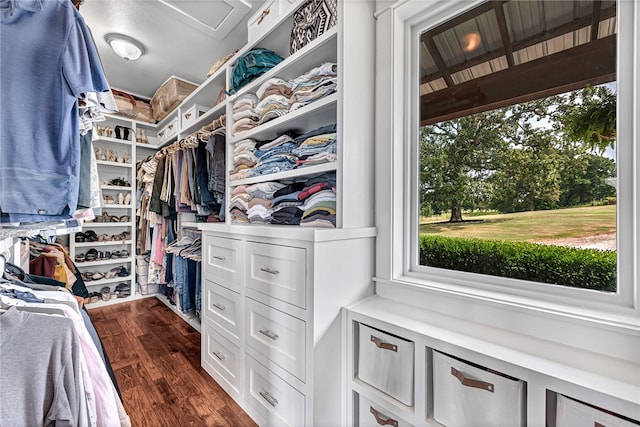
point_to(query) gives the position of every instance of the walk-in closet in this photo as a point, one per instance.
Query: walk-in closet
(319, 213)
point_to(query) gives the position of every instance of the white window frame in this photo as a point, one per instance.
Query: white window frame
(584, 319)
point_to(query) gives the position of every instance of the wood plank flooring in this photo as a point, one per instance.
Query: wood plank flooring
(156, 358)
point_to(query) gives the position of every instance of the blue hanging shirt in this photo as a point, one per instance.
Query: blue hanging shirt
(47, 59)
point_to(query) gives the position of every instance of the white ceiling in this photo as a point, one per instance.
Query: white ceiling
(181, 37)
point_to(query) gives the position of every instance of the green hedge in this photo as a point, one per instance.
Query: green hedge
(580, 268)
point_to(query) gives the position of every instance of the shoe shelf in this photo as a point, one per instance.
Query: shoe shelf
(116, 206)
(116, 164)
(102, 303)
(107, 224)
(149, 146)
(102, 243)
(108, 281)
(107, 139)
(104, 262)
(115, 187)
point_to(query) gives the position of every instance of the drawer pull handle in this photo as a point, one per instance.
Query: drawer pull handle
(221, 258)
(170, 127)
(186, 116)
(597, 424)
(219, 355)
(263, 15)
(270, 271)
(469, 382)
(270, 399)
(382, 421)
(383, 345)
(219, 306)
(269, 334)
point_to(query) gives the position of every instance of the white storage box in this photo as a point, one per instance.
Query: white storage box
(373, 415)
(171, 129)
(386, 362)
(190, 116)
(571, 413)
(262, 20)
(465, 395)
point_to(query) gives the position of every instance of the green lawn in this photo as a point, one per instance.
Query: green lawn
(528, 226)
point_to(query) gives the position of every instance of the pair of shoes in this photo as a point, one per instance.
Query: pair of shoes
(126, 157)
(87, 236)
(108, 200)
(105, 293)
(91, 276)
(119, 182)
(122, 132)
(141, 136)
(123, 289)
(93, 297)
(107, 131)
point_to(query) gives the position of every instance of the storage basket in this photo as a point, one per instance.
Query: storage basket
(142, 269)
(124, 102)
(465, 395)
(169, 96)
(143, 112)
(570, 413)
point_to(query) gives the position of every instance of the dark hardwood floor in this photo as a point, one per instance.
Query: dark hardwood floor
(156, 358)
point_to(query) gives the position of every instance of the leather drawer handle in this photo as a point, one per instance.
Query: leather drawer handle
(270, 271)
(219, 355)
(187, 115)
(219, 306)
(267, 333)
(270, 399)
(220, 258)
(170, 127)
(469, 382)
(382, 421)
(263, 15)
(597, 424)
(383, 345)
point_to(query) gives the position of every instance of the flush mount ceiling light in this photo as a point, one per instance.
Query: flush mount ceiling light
(471, 42)
(125, 47)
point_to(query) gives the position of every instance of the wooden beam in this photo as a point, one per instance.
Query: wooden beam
(437, 58)
(571, 69)
(524, 43)
(595, 19)
(504, 32)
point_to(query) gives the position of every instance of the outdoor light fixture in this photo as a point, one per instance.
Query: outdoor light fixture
(125, 47)
(471, 42)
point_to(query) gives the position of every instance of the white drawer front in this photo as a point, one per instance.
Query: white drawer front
(222, 306)
(171, 129)
(192, 115)
(277, 271)
(262, 20)
(464, 395)
(386, 362)
(571, 414)
(277, 402)
(277, 336)
(221, 355)
(222, 261)
(373, 415)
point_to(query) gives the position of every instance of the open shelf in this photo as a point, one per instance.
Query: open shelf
(308, 170)
(104, 262)
(103, 243)
(116, 164)
(101, 282)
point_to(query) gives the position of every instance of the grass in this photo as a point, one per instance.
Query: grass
(528, 226)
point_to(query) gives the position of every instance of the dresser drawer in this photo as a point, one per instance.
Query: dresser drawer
(464, 394)
(222, 261)
(278, 272)
(277, 402)
(264, 18)
(373, 415)
(222, 306)
(221, 356)
(277, 336)
(386, 362)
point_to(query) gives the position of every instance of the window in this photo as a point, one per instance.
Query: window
(517, 169)
(567, 315)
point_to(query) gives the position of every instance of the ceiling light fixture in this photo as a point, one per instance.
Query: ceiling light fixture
(125, 47)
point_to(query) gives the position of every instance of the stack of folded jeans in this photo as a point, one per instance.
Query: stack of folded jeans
(244, 159)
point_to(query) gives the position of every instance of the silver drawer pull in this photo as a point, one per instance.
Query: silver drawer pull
(382, 421)
(270, 271)
(219, 306)
(269, 334)
(221, 258)
(272, 400)
(383, 345)
(470, 382)
(219, 355)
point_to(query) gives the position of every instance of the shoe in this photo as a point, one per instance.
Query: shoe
(126, 157)
(143, 136)
(127, 200)
(105, 293)
(80, 237)
(108, 200)
(119, 132)
(120, 199)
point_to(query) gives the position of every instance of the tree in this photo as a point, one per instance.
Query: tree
(583, 181)
(589, 115)
(456, 153)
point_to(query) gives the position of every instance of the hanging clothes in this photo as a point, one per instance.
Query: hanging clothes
(48, 50)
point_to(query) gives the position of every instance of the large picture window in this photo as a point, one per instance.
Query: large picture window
(517, 143)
